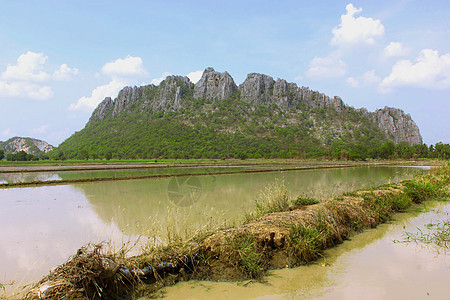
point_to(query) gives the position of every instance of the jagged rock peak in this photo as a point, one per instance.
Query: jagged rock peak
(101, 110)
(215, 85)
(29, 145)
(397, 124)
(257, 88)
(170, 93)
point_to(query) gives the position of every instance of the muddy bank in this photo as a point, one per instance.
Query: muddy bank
(274, 240)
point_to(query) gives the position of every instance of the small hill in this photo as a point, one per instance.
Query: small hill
(27, 144)
(215, 118)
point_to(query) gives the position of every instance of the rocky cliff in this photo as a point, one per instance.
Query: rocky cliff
(397, 124)
(175, 92)
(29, 145)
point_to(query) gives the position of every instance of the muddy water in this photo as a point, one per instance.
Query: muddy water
(42, 226)
(369, 266)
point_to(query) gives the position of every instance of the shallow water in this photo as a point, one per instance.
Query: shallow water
(42, 226)
(369, 266)
(90, 174)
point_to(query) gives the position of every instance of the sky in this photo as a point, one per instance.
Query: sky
(59, 59)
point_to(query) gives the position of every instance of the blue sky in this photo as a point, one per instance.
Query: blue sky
(59, 59)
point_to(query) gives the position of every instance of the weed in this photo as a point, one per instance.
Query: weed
(303, 243)
(248, 257)
(437, 234)
(274, 198)
(380, 205)
(304, 201)
(421, 189)
(400, 202)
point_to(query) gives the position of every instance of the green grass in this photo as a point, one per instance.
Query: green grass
(304, 201)
(248, 257)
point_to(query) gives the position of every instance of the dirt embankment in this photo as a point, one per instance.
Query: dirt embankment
(275, 240)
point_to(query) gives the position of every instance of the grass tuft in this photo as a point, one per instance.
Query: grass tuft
(248, 257)
(274, 198)
(304, 201)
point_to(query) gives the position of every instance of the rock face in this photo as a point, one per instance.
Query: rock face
(257, 89)
(170, 93)
(215, 85)
(397, 124)
(29, 145)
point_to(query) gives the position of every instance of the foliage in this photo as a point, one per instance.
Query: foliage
(249, 258)
(20, 156)
(2, 154)
(421, 189)
(304, 201)
(304, 243)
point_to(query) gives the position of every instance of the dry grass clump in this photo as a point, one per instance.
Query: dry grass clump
(89, 274)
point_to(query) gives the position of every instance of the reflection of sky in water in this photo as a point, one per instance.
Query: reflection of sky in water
(42, 226)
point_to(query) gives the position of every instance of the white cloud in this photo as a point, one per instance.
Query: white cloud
(120, 70)
(64, 72)
(40, 130)
(395, 49)
(356, 30)
(24, 89)
(128, 66)
(195, 76)
(370, 78)
(97, 95)
(428, 71)
(157, 81)
(28, 67)
(327, 67)
(353, 82)
(25, 78)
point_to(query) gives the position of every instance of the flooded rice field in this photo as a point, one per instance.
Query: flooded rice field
(42, 226)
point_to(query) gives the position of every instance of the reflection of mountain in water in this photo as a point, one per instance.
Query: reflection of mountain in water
(144, 206)
(27, 177)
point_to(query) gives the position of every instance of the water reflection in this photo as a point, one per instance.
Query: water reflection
(140, 206)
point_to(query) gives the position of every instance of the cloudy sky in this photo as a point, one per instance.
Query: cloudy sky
(59, 59)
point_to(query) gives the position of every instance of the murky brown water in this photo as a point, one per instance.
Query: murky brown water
(369, 266)
(42, 226)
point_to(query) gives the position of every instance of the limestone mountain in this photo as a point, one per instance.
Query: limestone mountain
(27, 144)
(261, 117)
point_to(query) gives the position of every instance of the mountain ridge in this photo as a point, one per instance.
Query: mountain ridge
(261, 117)
(26, 144)
(256, 89)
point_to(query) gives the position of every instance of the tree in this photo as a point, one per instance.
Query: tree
(84, 154)
(21, 156)
(108, 155)
(61, 155)
(2, 154)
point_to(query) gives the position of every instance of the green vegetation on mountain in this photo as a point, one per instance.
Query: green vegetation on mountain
(226, 129)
